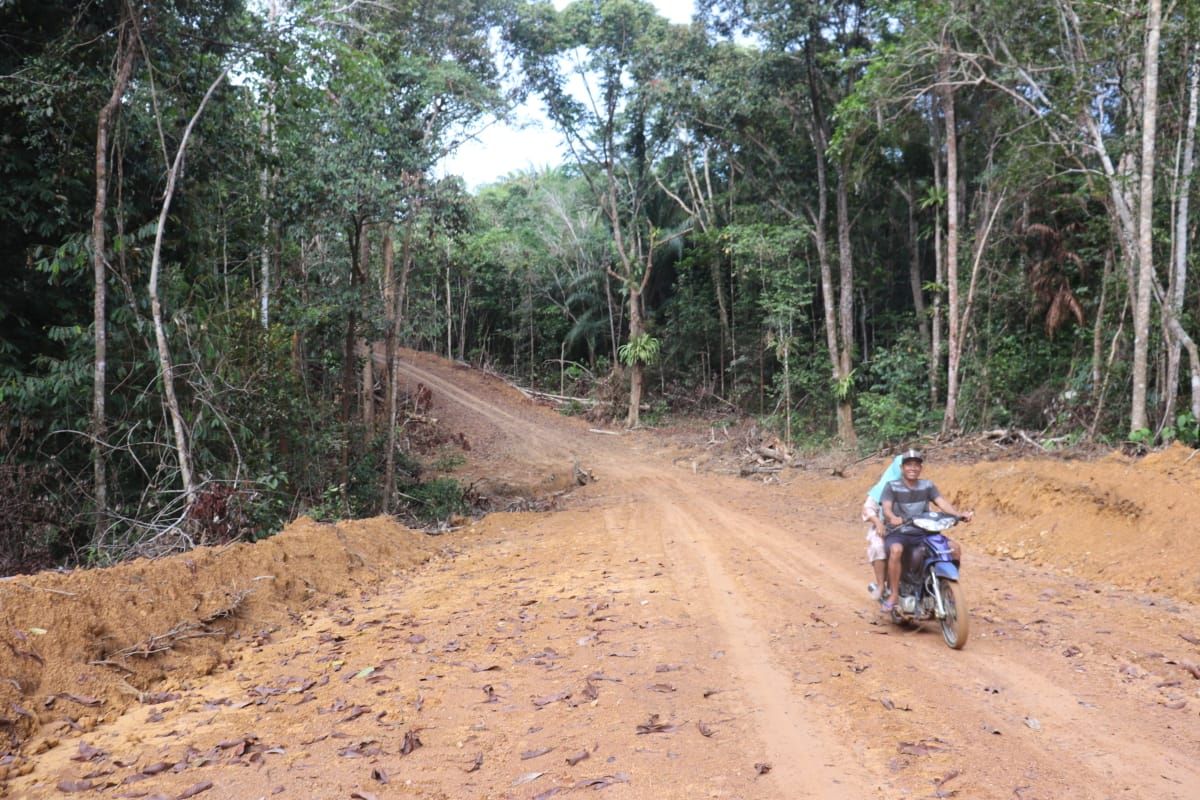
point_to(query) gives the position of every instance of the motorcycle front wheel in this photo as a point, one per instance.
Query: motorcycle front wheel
(956, 625)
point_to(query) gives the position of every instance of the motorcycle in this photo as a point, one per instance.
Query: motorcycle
(929, 582)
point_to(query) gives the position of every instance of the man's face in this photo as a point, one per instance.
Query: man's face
(911, 469)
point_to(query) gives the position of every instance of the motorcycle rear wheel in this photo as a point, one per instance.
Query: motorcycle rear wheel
(956, 625)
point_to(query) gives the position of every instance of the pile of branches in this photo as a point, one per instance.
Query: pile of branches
(764, 454)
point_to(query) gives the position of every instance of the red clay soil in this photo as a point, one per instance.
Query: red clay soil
(669, 632)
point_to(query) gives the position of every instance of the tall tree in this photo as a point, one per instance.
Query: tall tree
(126, 50)
(611, 48)
(1138, 419)
(808, 65)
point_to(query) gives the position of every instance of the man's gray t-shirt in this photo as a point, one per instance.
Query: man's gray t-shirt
(908, 502)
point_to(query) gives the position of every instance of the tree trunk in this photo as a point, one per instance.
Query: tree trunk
(950, 420)
(637, 368)
(845, 411)
(1193, 362)
(914, 262)
(367, 383)
(464, 309)
(820, 140)
(393, 349)
(166, 370)
(357, 234)
(367, 386)
(126, 49)
(1177, 286)
(449, 316)
(266, 179)
(939, 279)
(1098, 328)
(299, 359)
(1145, 276)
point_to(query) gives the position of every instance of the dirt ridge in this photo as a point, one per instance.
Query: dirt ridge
(91, 634)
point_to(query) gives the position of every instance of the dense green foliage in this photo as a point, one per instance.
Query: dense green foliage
(755, 216)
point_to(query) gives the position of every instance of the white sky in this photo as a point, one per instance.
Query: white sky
(531, 141)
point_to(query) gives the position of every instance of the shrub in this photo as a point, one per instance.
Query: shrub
(436, 500)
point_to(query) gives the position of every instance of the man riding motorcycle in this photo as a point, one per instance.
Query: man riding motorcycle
(902, 500)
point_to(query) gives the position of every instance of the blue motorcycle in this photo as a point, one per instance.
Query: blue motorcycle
(929, 582)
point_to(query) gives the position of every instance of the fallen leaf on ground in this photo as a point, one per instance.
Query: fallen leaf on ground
(600, 676)
(368, 748)
(355, 713)
(601, 782)
(541, 751)
(195, 789)
(652, 725)
(572, 760)
(704, 729)
(154, 698)
(74, 786)
(762, 768)
(528, 777)
(157, 767)
(551, 698)
(379, 774)
(919, 748)
(87, 752)
(949, 776)
(477, 763)
(411, 742)
(1192, 668)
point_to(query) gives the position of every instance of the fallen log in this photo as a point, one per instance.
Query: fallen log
(556, 398)
(773, 453)
(758, 469)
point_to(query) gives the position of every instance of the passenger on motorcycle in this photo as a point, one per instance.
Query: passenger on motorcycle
(872, 514)
(902, 500)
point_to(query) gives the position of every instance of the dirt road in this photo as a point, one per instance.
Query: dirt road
(670, 633)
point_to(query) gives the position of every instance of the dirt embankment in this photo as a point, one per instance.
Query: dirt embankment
(78, 647)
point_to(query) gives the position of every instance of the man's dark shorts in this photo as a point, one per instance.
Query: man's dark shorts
(907, 535)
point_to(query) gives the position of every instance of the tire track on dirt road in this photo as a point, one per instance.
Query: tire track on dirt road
(807, 761)
(493, 413)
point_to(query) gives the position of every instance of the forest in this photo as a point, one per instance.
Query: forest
(858, 221)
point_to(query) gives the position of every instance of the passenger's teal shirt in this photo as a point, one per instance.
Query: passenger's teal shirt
(892, 473)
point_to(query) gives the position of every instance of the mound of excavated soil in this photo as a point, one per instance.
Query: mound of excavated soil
(1120, 520)
(79, 646)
